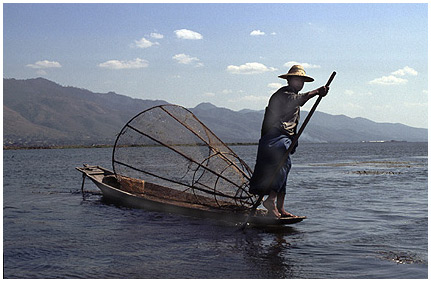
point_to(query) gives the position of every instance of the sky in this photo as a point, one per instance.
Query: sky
(229, 54)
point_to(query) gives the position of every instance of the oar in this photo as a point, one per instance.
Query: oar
(289, 150)
(307, 119)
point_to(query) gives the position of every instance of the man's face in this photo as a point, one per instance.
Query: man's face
(296, 82)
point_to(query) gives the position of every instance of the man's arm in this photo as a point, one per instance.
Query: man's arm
(322, 91)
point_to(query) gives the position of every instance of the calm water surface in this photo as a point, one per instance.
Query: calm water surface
(366, 206)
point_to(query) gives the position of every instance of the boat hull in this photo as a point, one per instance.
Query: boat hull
(114, 194)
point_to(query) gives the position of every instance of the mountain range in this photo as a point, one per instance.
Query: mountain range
(40, 112)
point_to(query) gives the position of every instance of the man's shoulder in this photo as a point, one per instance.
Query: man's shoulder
(283, 92)
(284, 89)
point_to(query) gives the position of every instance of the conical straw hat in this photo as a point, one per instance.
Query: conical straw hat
(297, 70)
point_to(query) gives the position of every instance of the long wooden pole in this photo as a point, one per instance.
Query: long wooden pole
(307, 119)
(289, 150)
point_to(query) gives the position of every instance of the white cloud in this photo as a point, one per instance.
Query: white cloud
(41, 72)
(388, 80)
(218, 93)
(209, 94)
(144, 43)
(187, 60)
(414, 105)
(349, 92)
(118, 65)
(187, 34)
(156, 35)
(404, 71)
(249, 68)
(273, 33)
(393, 78)
(305, 65)
(353, 93)
(257, 33)
(383, 109)
(352, 106)
(45, 64)
(275, 85)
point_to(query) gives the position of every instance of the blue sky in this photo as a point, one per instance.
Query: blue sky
(229, 54)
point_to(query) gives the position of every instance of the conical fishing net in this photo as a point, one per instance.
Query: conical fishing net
(167, 145)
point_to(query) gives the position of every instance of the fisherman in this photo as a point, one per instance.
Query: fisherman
(279, 127)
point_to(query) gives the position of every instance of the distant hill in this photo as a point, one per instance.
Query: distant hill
(39, 112)
(245, 125)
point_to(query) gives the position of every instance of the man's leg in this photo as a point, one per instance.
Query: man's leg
(269, 204)
(280, 206)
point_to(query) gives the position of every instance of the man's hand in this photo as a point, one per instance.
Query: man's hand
(322, 91)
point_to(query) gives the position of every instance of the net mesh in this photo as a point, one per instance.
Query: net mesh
(169, 146)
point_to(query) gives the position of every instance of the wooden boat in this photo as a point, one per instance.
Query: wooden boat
(138, 193)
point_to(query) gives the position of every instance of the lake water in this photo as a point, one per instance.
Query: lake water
(366, 203)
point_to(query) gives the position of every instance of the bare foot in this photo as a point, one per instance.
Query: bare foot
(272, 210)
(286, 214)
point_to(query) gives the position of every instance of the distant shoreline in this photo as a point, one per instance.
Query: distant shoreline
(54, 147)
(99, 146)
(5, 147)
